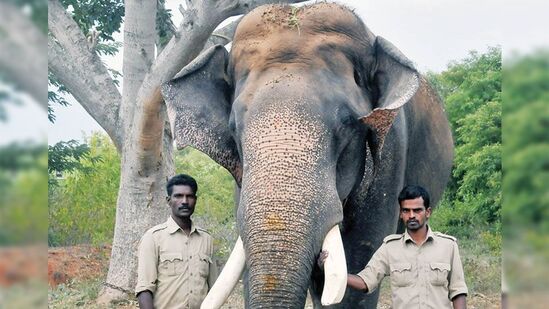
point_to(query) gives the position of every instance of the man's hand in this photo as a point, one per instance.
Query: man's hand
(145, 299)
(322, 259)
(353, 281)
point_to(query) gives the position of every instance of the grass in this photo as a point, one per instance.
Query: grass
(293, 20)
(481, 265)
(31, 294)
(81, 294)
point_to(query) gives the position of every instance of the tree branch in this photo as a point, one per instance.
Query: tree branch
(222, 36)
(80, 69)
(22, 55)
(138, 55)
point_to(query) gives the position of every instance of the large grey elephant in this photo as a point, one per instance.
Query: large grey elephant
(321, 123)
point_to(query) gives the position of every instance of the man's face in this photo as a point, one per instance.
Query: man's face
(414, 214)
(182, 201)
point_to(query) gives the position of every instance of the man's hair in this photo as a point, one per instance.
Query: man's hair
(412, 192)
(181, 180)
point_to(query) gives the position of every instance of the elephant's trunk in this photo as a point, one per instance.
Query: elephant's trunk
(288, 204)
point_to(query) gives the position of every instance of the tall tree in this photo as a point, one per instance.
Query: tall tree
(135, 119)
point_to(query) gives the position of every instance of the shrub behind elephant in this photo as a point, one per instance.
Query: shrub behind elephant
(321, 123)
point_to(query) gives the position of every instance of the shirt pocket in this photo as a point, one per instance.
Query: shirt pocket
(439, 273)
(401, 274)
(171, 263)
(203, 266)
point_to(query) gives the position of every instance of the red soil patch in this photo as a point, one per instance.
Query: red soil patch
(21, 264)
(78, 262)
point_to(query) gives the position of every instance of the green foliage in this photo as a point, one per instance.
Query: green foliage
(215, 209)
(23, 194)
(164, 25)
(18, 156)
(67, 157)
(471, 89)
(83, 205)
(103, 15)
(55, 97)
(526, 164)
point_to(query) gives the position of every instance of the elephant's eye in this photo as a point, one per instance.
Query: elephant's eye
(358, 79)
(232, 124)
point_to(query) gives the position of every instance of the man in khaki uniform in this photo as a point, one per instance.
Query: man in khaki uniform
(424, 266)
(175, 267)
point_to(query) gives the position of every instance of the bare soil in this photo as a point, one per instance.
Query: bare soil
(77, 263)
(82, 263)
(22, 264)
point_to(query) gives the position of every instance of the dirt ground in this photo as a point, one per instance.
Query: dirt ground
(81, 263)
(21, 264)
(78, 262)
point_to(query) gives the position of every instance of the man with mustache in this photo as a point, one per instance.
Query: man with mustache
(424, 266)
(175, 258)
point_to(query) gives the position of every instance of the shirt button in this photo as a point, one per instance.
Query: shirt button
(190, 257)
(191, 291)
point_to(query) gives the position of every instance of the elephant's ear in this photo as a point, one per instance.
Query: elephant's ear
(198, 105)
(397, 81)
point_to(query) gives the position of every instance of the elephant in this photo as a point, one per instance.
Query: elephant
(321, 123)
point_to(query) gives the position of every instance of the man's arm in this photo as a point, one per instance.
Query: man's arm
(145, 299)
(456, 287)
(460, 301)
(356, 283)
(147, 260)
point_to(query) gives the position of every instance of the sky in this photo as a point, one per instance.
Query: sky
(431, 33)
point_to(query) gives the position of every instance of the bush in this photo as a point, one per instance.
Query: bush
(471, 205)
(23, 194)
(83, 203)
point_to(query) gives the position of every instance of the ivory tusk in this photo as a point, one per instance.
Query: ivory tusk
(228, 278)
(335, 268)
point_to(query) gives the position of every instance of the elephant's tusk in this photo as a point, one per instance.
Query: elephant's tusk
(335, 268)
(227, 279)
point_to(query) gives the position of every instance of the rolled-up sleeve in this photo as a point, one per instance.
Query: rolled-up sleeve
(376, 270)
(457, 284)
(146, 264)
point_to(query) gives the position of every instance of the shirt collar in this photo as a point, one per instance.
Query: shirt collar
(430, 235)
(173, 227)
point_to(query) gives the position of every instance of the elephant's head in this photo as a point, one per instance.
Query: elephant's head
(305, 98)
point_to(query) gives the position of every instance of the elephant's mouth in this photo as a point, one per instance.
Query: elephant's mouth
(335, 272)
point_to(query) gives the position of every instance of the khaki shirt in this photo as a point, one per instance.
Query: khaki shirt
(426, 276)
(177, 269)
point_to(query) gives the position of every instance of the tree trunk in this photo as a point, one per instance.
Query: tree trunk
(136, 120)
(141, 205)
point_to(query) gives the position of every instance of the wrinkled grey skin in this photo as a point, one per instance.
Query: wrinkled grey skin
(321, 123)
